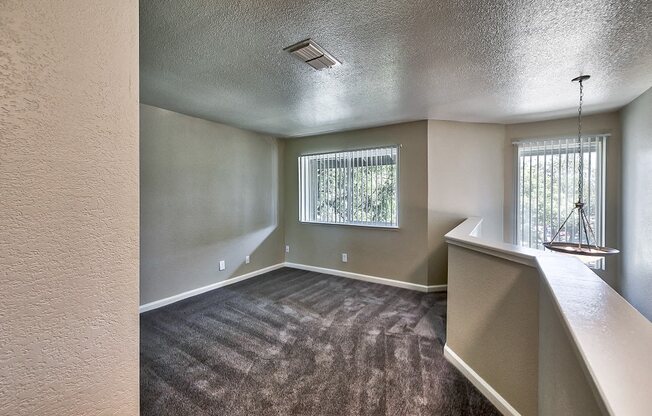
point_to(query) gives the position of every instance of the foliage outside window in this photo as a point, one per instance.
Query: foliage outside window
(358, 187)
(547, 189)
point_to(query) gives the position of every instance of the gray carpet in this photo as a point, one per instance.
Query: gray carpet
(292, 342)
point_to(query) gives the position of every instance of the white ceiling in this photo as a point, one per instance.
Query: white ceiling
(473, 60)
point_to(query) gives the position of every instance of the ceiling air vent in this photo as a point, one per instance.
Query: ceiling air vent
(312, 54)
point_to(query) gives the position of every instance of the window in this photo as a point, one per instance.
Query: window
(548, 185)
(357, 187)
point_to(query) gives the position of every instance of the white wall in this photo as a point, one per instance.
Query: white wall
(69, 207)
(636, 276)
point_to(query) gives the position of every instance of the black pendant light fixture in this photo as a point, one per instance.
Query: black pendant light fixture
(582, 247)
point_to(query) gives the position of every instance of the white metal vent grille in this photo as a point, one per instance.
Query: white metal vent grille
(311, 53)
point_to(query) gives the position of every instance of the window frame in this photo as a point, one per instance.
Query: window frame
(380, 226)
(601, 199)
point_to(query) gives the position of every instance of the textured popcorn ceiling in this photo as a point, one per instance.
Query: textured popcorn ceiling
(467, 60)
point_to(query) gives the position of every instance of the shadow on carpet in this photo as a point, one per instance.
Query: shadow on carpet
(292, 342)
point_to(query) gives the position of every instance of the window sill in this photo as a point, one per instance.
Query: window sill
(373, 226)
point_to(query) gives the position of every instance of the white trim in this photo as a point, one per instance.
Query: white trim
(305, 186)
(467, 235)
(559, 137)
(198, 291)
(380, 280)
(492, 395)
(367, 278)
(619, 385)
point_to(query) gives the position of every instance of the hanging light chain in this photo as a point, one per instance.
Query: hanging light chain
(580, 184)
(584, 224)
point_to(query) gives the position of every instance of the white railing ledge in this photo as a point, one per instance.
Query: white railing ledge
(468, 235)
(613, 339)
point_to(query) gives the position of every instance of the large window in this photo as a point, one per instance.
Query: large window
(548, 173)
(357, 187)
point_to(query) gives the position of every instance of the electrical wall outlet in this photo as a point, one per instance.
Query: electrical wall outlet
(222, 265)
(287, 249)
(247, 260)
(345, 257)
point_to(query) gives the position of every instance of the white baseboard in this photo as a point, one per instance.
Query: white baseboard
(373, 279)
(194, 292)
(492, 395)
(367, 278)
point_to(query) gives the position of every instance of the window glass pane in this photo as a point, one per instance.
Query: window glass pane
(355, 187)
(548, 185)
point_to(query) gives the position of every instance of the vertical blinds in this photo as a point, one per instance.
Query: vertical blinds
(548, 188)
(358, 187)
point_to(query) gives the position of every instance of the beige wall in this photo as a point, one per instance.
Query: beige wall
(438, 159)
(69, 207)
(493, 323)
(465, 179)
(395, 254)
(636, 272)
(504, 322)
(209, 192)
(594, 124)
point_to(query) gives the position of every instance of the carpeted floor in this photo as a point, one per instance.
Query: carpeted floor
(292, 342)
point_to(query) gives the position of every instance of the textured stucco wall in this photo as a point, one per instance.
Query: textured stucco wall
(493, 323)
(565, 386)
(635, 281)
(465, 179)
(68, 207)
(209, 192)
(394, 254)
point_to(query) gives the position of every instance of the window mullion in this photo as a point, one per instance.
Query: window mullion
(350, 187)
(548, 169)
